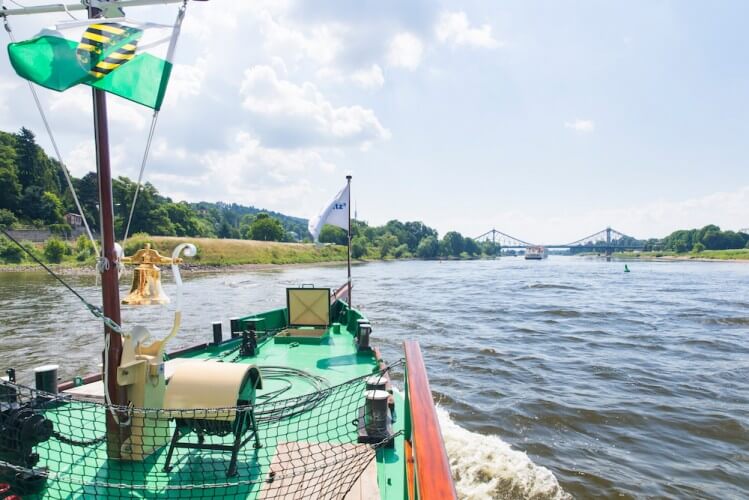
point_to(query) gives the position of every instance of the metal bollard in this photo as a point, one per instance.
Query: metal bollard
(236, 330)
(376, 413)
(46, 378)
(218, 335)
(365, 329)
(377, 382)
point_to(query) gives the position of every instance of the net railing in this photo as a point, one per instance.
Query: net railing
(307, 446)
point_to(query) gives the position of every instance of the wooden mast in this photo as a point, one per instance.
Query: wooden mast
(110, 285)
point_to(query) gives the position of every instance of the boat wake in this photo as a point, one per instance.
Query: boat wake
(487, 467)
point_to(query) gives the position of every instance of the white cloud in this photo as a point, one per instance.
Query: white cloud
(81, 159)
(319, 43)
(371, 78)
(185, 82)
(581, 125)
(405, 51)
(455, 29)
(245, 172)
(77, 102)
(302, 111)
(7, 88)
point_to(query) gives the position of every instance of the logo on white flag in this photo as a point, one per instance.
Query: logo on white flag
(334, 213)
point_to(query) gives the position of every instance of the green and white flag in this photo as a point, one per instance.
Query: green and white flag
(121, 56)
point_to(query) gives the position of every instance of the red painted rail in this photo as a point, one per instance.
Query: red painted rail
(433, 479)
(340, 294)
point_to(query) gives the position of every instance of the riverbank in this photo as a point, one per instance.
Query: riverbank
(212, 254)
(738, 255)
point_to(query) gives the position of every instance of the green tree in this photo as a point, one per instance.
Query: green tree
(224, 230)
(698, 247)
(51, 208)
(87, 189)
(428, 248)
(417, 231)
(31, 203)
(54, 250)
(401, 252)
(10, 187)
(387, 242)
(471, 247)
(333, 234)
(453, 243)
(7, 218)
(10, 252)
(35, 168)
(266, 228)
(358, 247)
(150, 214)
(184, 218)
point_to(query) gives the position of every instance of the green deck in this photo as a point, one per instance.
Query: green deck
(336, 359)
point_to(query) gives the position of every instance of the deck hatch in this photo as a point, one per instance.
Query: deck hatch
(308, 307)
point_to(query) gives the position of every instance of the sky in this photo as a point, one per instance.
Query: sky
(547, 120)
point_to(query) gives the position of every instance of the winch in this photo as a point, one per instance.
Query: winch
(22, 427)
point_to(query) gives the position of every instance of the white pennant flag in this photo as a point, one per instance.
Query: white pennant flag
(335, 213)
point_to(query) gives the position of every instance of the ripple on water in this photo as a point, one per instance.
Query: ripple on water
(616, 386)
(487, 467)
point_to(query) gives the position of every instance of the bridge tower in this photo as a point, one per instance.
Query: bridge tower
(609, 250)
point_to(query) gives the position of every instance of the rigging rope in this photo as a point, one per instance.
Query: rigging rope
(140, 175)
(95, 310)
(54, 146)
(170, 56)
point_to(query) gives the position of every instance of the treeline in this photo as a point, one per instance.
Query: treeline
(35, 193)
(710, 237)
(401, 240)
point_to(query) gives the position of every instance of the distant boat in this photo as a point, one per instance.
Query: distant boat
(535, 253)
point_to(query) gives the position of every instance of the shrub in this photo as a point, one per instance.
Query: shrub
(400, 251)
(136, 242)
(83, 245)
(54, 249)
(698, 247)
(358, 247)
(60, 229)
(7, 218)
(10, 253)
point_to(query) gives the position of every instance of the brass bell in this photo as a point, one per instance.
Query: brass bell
(146, 288)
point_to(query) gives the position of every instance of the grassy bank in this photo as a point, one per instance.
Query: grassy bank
(225, 252)
(211, 253)
(706, 255)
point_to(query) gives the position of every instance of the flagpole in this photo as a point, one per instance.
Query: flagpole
(350, 302)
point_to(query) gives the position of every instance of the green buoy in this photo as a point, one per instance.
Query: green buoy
(626, 269)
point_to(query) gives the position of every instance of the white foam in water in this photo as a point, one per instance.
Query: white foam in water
(487, 467)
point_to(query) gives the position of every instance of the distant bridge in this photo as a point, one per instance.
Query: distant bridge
(607, 240)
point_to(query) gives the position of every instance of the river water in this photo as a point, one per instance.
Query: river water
(555, 379)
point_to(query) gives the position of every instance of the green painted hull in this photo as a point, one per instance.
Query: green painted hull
(202, 473)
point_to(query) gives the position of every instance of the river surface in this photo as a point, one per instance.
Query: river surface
(555, 379)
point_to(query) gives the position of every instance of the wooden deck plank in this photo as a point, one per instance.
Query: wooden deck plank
(322, 470)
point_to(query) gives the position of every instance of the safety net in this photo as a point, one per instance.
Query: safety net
(306, 446)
